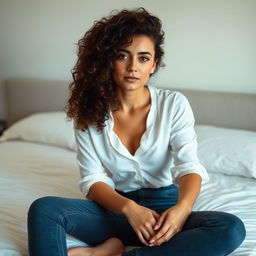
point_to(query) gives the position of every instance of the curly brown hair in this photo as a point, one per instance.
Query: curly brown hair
(92, 92)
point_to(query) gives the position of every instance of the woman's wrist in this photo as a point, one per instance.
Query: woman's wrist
(127, 207)
(185, 205)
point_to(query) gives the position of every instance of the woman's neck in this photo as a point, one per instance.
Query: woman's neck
(133, 100)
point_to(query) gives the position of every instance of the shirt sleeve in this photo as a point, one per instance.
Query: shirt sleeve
(91, 168)
(183, 141)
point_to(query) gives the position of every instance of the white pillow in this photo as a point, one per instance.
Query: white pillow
(228, 151)
(46, 127)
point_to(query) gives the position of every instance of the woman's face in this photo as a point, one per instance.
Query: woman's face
(134, 63)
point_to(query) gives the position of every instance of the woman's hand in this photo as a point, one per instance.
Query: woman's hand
(142, 220)
(173, 219)
(169, 224)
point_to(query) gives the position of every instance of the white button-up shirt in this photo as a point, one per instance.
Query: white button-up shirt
(167, 151)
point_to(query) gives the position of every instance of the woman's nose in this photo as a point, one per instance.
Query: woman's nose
(132, 67)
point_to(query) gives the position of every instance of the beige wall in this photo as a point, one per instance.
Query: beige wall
(210, 44)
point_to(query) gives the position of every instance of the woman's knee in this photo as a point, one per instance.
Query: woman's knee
(234, 230)
(42, 207)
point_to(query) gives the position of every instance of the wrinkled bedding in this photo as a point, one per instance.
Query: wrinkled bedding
(30, 170)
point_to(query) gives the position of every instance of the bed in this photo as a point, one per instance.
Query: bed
(38, 156)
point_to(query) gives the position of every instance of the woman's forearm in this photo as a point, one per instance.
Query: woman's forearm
(189, 189)
(107, 197)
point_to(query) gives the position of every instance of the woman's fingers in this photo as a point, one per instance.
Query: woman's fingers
(146, 234)
(142, 239)
(143, 220)
(165, 237)
(156, 215)
(159, 222)
(149, 230)
(150, 227)
(160, 234)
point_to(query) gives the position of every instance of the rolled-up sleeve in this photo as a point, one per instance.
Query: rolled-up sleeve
(91, 169)
(183, 141)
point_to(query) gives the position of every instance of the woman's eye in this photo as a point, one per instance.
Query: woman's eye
(121, 57)
(144, 59)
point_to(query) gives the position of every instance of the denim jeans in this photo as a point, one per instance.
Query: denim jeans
(204, 233)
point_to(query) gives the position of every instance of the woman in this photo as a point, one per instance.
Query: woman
(137, 157)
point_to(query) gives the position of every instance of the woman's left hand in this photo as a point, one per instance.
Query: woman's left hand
(169, 224)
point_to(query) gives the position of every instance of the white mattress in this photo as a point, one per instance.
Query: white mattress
(29, 171)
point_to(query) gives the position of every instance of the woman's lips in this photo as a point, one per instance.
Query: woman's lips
(131, 79)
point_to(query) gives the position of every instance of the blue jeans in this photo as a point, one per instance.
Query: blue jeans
(204, 233)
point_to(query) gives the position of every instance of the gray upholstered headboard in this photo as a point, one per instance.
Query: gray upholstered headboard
(233, 110)
(28, 96)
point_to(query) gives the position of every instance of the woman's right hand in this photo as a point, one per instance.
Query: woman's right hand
(142, 220)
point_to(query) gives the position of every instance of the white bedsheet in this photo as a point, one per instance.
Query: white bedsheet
(29, 171)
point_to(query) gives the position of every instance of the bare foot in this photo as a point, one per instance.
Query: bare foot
(111, 247)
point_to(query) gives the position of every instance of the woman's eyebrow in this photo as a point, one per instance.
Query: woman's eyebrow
(140, 53)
